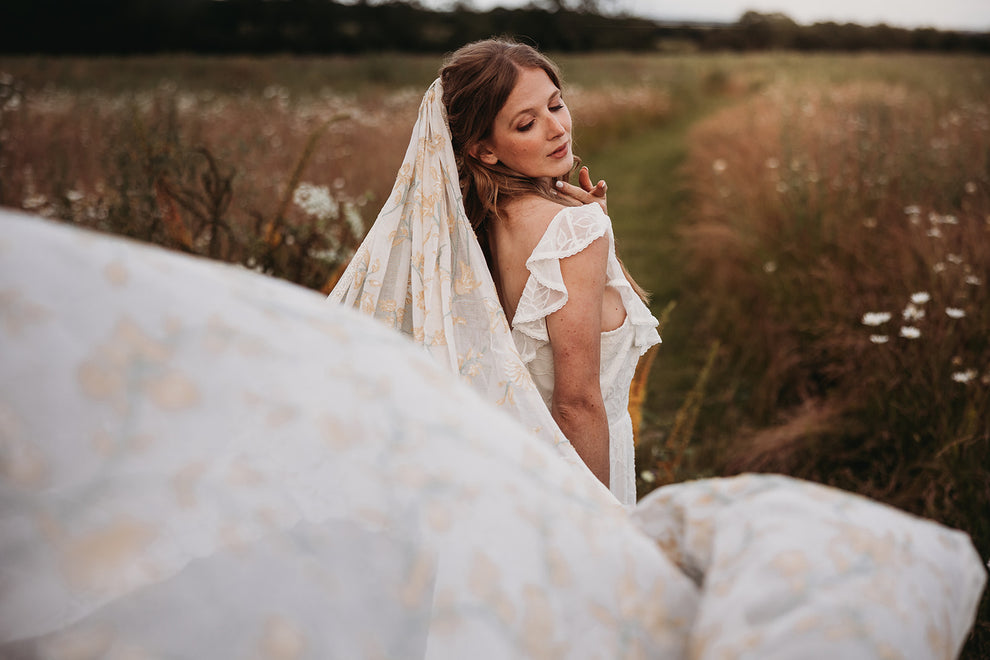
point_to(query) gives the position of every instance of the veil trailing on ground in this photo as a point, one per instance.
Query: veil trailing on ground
(421, 270)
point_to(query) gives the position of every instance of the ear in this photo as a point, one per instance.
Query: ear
(483, 152)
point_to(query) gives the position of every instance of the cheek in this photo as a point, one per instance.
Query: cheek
(522, 147)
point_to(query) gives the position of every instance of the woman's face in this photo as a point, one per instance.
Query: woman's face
(532, 131)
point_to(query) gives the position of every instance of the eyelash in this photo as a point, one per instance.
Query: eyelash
(553, 108)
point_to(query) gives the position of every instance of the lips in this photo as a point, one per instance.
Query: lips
(561, 151)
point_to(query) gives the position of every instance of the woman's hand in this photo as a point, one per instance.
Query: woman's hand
(586, 193)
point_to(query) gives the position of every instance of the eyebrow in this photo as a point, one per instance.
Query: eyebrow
(514, 117)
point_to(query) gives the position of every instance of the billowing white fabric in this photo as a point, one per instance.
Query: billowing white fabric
(791, 569)
(571, 231)
(200, 462)
(421, 270)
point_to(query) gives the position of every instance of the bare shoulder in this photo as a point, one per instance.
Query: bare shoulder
(528, 217)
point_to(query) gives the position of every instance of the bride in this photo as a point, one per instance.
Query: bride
(524, 242)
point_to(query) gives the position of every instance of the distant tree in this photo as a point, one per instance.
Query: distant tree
(768, 31)
(355, 26)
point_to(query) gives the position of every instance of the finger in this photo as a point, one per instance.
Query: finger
(584, 178)
(600, 189)
(577, 193)
(582, 195)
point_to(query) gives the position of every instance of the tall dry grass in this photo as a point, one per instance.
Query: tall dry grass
(840, 246)
(207, 173)
(282, 178)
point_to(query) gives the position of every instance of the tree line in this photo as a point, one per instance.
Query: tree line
(324, 26)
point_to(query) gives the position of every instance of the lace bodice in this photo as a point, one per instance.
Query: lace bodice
(572, 230)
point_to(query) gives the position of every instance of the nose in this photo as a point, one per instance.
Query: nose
(554, 128)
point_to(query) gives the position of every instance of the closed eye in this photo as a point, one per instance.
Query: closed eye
(553, 108)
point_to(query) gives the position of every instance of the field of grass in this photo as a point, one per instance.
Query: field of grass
(815, 226)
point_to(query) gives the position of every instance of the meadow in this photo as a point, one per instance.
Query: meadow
(815, 230)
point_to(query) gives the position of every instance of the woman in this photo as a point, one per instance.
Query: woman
(549, 245)
(538, 249)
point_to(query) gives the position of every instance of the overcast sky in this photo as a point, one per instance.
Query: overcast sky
(943, 14)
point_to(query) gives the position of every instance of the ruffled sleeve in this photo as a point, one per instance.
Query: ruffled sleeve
(572, 230)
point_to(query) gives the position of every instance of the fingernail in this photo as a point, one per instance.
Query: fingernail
(560, 184)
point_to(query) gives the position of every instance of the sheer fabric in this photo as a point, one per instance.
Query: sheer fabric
(421, 270)
(197, 461)
(571, 231)
(200, 462)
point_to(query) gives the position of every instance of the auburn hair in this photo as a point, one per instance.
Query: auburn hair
(477, 80)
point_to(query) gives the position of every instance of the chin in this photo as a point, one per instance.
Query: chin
(565, 169)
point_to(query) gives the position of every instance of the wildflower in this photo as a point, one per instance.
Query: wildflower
(781, 187)
(316, 201)
(875, 318)
(934, 232)
(955, 312)
(879, 339)
(353, 218)
(912, 313)
(973, 280)
(920, 298)
(910, 332)
(914, 209)
(74, 196)
(954, 259)
(964, 376)
(647, 476)
(719, 166)
(938, 268)
(773, 163)
(331, 255)
(33, 202)
(770, 267)
(970, 187)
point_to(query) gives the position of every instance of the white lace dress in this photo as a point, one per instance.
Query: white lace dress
(572, 230)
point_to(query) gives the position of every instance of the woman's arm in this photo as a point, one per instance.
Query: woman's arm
(575, 339)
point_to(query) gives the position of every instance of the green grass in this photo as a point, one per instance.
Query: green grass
(647, 201)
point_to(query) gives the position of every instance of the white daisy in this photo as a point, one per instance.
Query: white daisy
(875, 318)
